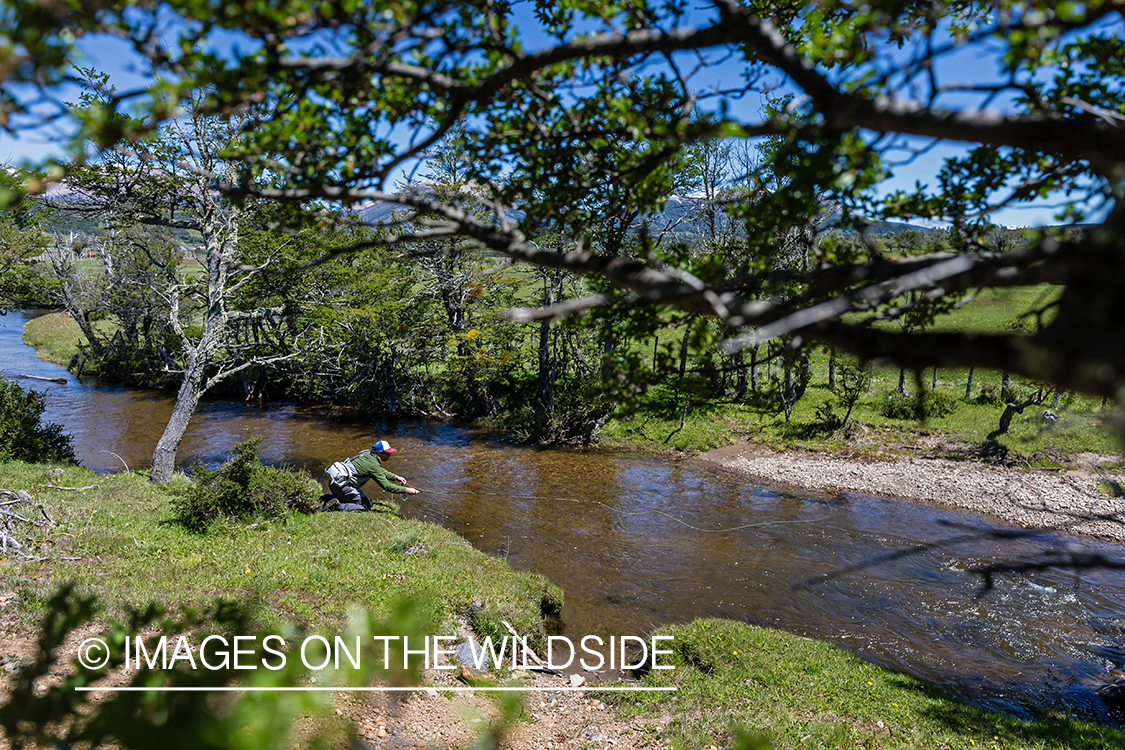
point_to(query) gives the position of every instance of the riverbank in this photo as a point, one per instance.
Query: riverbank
(1070, 500)
(115, 539)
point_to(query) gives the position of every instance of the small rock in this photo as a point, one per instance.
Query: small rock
(470, 653)
(577, 680)
(596, 737)
(1113, 691)
(339, 712)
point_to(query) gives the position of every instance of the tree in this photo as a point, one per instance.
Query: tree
(22, 241)
(127, 265)
(165, 182)
(867, 80)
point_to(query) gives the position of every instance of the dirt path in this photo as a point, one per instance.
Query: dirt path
(1063, 500)
(553, 718)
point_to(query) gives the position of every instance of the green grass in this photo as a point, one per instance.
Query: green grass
(55, 336)
(967, 432)
(800, 693)
(306, 570)
(994, 310)
(659, 421)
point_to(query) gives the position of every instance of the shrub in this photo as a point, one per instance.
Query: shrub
(244, 488)
(988, 395)
(23, 436)
(933, 404)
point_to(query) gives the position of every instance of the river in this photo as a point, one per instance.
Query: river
(639, 541)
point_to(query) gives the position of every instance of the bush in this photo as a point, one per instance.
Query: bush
(23, 436)
(988, 395)
(244, 488)
(933, 404)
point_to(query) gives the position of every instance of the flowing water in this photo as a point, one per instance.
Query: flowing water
(639, 541)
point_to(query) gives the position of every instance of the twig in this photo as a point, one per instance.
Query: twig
(17, 516)
(119, 458)
(76, 489)
(523, 642)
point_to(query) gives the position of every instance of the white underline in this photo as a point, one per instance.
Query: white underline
(426, 688)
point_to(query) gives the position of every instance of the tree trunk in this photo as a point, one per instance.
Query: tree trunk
(164, 457)
(969, 385)
(1010, 410)
(832, 370)
(545, 387)
(740, 377)
(901, 381)
(802, 375)
(754, 368)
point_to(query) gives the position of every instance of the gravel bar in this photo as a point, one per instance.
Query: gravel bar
(1069, 500)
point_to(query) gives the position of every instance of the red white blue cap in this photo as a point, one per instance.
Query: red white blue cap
(382, 447)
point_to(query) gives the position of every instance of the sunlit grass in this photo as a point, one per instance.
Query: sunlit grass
(307, 569)
(800, 693)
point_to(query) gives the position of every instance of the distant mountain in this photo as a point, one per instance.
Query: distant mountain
(376, 212)
(682, 217)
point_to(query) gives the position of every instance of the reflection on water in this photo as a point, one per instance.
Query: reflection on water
(637, 542)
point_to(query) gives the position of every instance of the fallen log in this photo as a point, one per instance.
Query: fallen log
(60, 381)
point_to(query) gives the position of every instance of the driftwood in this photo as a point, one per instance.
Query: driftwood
(60, 381)
(75, 489)
(9, 544)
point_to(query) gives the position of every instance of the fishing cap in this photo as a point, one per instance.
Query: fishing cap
(382, 447)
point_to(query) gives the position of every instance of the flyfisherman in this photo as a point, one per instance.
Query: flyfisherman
(345, 478)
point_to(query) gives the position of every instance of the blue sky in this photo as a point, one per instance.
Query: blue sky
(971, 66)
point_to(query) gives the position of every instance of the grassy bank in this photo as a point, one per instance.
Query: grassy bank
(739, 682)
(969, 429)
(306, 570)
(55, 336)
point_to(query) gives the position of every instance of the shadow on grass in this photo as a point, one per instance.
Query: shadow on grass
(992, 450)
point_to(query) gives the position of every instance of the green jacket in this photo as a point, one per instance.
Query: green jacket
(368, 466)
